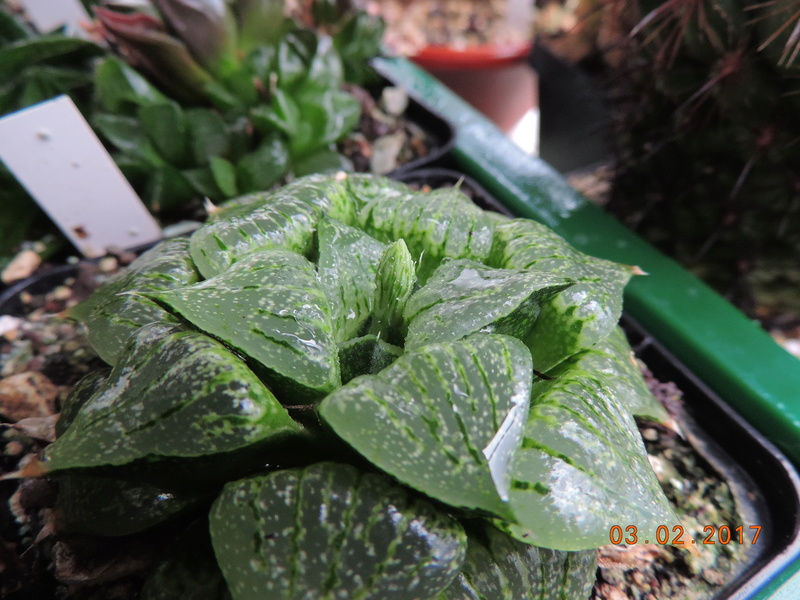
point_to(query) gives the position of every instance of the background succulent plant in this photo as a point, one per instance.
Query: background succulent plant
(706, 103)
(414, 447)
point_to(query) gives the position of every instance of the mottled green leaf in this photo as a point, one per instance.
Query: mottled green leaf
(394, 284)
(347, 264)
(437, 225)
(324, 160)
(444, 419)
(114, 312)
(117, 507)
(614, 359)
(366, 355)
(582, 467)
(174, 394)
(269, 306)
(499, 567)
(580, 316)
(329, 532)
(286, 218)
(464, 297)
(79, 395)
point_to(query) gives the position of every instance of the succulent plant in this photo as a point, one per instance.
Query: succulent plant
(362, 391)
(249, 97)
(707, 129)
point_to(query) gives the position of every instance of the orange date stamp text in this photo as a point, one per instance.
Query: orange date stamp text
(722, 534)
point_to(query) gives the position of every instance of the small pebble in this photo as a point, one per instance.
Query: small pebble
(62, 292)
(14, 448)
(21, 266)
(109, 264)
(650, 434)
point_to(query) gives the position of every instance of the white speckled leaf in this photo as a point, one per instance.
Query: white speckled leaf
(613, 359)
(499, 567)
(330, 532)
(582, 466)
(286, 218)
(112, 313)
(581, 315)
(347, 265)
(464, 297)
(444, 419)
(271, 307)
(435, 225)
(174, 394)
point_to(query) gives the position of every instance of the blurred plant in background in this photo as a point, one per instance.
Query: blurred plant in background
(196, 99)
(705, 103)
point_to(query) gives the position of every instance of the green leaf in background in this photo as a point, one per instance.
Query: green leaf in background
(464, 297)
(325, 72)
(499, 567)
(21, 54)
(581, 445)
(127, 135)
(283, 114)
(580, 316)
(434, 226)
(327, 117)
(204, 183)
(166, 129)
(347, 265)
(324, 160)
(290, 63)
(208, 135)
(358, 41)
(224, 174)
(269, 306)
(286, 218)
(261, 23)
(117, 507)
(394, 284)
(120, 89)
(329, 532)
(174, 394)
(167, 189)
(12, 28)
(263, 167)
(114, 311)
(444, 419)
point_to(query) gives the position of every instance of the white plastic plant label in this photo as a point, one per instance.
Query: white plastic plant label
(56, 156)
(47, 15)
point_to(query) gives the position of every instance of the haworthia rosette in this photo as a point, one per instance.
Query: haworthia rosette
(444, 419)
(329, 532)
(174, 394)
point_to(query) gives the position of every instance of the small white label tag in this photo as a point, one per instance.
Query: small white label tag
(47, 15)
(53, 152)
